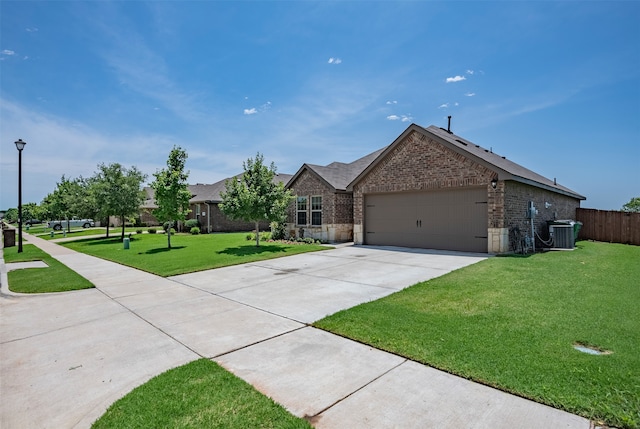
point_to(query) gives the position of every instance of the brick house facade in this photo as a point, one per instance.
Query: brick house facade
(433, 159)
(427, 166)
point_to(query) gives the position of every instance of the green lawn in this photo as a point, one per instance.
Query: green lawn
(198, 395)
(56, 278)
(512, 322)
(188, 253)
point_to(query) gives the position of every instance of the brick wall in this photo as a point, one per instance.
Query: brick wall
(516, 198)
(221, 223)
(337, 208)
(419, 164)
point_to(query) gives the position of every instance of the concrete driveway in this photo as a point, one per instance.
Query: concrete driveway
(66, 357)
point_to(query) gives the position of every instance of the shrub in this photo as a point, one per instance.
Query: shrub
(138, 231)
(278, 230)
(151, 230)
(195, 230)
(191, 223)
(251, 236)
(265, 236)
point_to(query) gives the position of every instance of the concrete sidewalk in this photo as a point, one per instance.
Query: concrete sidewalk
(93, 346)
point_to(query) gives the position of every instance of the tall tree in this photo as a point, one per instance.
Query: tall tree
(255, 196)
(117, 191)
(171, 190)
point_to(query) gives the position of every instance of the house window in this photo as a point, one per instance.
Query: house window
(316, 211)
(301, 211)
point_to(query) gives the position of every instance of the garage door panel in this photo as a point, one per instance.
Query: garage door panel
(449, 219)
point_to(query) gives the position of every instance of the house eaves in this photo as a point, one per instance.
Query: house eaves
(506, 169)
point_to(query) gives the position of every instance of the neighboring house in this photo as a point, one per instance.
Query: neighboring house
(204, 207)
(428, 189)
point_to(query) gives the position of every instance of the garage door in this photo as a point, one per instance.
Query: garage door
(449, 219)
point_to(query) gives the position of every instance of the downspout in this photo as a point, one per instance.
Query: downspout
(208, 217)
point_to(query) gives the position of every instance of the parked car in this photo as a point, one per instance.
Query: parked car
(73, 222)
(32, 221)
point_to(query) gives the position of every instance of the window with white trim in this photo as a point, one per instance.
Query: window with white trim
(301, 211)
(316, 211)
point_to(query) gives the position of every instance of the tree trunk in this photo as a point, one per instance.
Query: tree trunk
(257, 234)
(122, 220)
(169, 235)
(107, 227)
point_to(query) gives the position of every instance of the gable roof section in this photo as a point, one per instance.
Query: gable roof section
(207, 193)
(506, 169)
(337, 175)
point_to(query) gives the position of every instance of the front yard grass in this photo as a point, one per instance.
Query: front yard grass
(188, 253)
(512, 322)
(55, 278)
(199, 394)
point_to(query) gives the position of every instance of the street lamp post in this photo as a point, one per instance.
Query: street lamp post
(20, 145)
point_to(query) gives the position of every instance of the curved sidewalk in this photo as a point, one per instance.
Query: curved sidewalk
(66, 357)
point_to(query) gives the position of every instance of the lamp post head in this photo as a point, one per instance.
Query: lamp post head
(20, 144)
(494, 182)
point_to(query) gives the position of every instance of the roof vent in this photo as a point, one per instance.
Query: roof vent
(449, 125)
(461, 142)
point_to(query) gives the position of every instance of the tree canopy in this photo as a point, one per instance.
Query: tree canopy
(255, 196)
(632, 206)
(171, 190)
(117, 191)
(70, 198)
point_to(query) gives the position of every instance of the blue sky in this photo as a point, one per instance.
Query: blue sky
(552, 85)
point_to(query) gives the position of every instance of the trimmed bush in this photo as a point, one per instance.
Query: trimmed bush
(191, 223)
(138, 231)
(195, 230)
(151, 230)
(278, 230)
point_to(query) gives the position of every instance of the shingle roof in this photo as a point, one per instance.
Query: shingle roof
(506, 169)
(209, 193)
(338, 175)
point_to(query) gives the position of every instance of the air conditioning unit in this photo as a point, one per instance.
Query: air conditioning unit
(563, 234)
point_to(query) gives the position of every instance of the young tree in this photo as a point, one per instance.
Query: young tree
(70, 198)
(171, 190)
(255, 196)
(117, 191)
(632, 206)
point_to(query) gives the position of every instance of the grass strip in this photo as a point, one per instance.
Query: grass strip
(512, 322)
(57, 277)
(200, 394)
(188, 253)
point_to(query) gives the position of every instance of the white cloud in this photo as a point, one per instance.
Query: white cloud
(251, 111)
(392, 102)
(443, 106)
(7, 52)
(470, 94)
(470, 72)
(403, 118)
(31, 29)
(333, 60)
(455, 79)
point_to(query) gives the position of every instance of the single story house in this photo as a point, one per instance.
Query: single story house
(428, 189)
(203, 204)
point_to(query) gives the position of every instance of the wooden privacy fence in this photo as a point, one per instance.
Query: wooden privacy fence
(611, 226)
